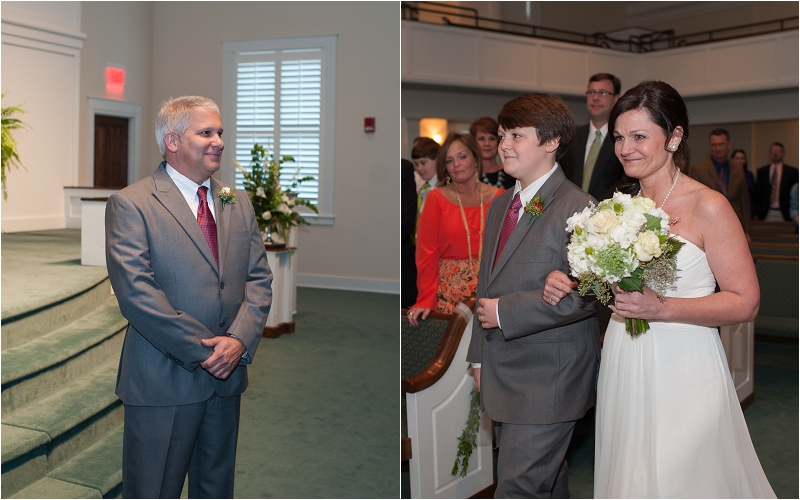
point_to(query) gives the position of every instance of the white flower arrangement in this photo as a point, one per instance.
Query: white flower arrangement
(273, 202)
(624, 240)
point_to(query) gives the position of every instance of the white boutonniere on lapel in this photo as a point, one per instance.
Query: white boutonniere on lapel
(227, 195)
(534, 207)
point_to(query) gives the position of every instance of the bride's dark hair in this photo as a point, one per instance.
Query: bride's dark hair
(666, 109)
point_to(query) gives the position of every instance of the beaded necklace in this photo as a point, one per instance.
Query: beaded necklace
(670, 189)
(466, 225)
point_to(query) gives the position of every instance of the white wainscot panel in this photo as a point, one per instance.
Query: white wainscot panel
(789, 58)
(563, 68)
(685, 69)
(446, 430)
(508, 62)
(743, 65)
(620, 64)
(444, 56)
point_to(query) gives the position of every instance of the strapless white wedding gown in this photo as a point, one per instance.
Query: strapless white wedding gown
(669, 424)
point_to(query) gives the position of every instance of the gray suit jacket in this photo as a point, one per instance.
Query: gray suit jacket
(172, 293)
(541, 367)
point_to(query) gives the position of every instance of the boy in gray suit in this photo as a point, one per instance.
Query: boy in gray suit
(535, 365)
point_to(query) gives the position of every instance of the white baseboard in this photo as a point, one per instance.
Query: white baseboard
(353, 284)
(37, 223)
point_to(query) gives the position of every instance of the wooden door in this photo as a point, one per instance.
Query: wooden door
(110, 151)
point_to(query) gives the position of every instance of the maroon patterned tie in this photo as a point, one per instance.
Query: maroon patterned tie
(206, 221)
(512, 216)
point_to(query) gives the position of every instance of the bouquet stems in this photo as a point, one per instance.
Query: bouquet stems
(636, 327)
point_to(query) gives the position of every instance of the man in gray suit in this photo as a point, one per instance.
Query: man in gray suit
(534, 365)
(191, 275)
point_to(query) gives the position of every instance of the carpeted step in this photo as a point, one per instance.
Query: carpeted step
(73, 419)
(39, 317)
(24, 458)
(41, 367)
(53, 488)
(99, 467)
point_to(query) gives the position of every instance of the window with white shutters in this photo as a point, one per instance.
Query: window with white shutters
(281, 96)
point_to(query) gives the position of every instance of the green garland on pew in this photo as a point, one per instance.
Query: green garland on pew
(466, 441)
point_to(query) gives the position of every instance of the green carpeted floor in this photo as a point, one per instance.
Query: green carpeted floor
(320, 417)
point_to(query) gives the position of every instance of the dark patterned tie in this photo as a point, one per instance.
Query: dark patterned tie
(206, 221)
(723, 179)
(512, 216)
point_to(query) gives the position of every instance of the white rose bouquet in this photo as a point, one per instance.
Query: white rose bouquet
(624, 240)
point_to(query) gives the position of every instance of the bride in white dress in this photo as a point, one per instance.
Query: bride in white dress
(668, 421)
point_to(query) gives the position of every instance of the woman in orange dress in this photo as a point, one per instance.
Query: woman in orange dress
(450, 229)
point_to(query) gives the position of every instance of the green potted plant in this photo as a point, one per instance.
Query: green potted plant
(10, 153)
(274, 206)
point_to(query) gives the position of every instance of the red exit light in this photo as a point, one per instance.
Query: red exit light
(115, 81)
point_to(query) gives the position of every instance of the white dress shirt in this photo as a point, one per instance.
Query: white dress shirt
(525, 195)
(188, 189)
(590, 140)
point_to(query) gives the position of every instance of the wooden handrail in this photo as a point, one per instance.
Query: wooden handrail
(444, 355)
(770, 244)
(775, 257)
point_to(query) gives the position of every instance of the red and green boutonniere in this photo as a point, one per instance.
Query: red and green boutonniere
(226, 195)
(534, 207)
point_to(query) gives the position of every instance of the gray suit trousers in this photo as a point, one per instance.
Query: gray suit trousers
(531, 462)
(162, 443)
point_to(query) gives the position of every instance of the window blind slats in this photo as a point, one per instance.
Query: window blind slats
(281, 98)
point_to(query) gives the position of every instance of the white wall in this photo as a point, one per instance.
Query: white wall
(41, 44)
(175, 48)
(117, 34)
(361, 249)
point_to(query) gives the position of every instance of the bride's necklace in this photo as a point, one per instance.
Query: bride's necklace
(466, 226)
(670, 189)
(676, 219)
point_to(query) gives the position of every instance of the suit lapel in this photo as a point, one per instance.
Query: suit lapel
(171, 198)
(606, 151)
(580, 150)
(527, 222)
(223, 222)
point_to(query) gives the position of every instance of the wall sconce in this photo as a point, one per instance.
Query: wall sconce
(435, 128)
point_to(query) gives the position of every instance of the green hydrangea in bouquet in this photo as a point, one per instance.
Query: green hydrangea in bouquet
(274, 206)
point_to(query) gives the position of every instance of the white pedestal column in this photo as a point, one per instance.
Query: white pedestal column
(282, 311)
(93, 231)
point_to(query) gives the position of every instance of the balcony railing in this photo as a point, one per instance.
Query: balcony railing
(627, 40)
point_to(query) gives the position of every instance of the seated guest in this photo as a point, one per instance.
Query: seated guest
(719, 176)
(793, 204)
(484, 131)
(423, 155)
(739, 159)
(773, 183)
(450, 229)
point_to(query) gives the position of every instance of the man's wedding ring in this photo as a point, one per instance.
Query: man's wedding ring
(551, 299)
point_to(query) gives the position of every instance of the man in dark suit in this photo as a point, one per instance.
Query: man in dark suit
(534, 365)
(773, 184)
(590, 161)
(190, 272)
(717, 174)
